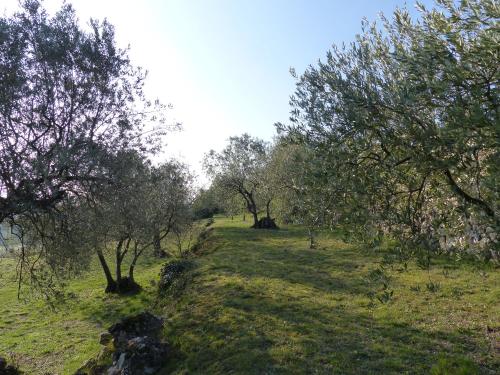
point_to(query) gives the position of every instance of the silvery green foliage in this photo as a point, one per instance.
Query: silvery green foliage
(119, 221)
(405, 121)
(144, 202)
(306, 193)
(69, 97)
(239, 170)
(71, 103)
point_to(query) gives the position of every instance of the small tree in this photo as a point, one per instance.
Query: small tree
(170, 194)
(140, 208)
(121, 218)
(307, 194)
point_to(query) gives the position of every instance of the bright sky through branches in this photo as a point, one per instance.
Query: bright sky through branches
(224, 64)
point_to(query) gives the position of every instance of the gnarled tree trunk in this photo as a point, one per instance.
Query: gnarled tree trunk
(268, 211)
(119, 259)
(157, 250)
(111, 286)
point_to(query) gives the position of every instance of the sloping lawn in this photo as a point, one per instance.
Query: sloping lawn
(261, 302)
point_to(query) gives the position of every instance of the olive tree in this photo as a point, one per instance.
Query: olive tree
(67, 98)
(239, 169)
(70, 100)
(136, 212)
(309, 191)
(410, 111)
(170, 193)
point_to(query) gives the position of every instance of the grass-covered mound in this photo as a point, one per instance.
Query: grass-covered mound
(261, 302)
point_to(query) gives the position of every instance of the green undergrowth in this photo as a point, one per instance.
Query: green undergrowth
(261, 302)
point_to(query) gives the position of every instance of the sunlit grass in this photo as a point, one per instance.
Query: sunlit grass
(261, 302)
(265, 303)
(44, 340)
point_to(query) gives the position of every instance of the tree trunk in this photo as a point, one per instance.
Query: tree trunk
(128, 284)
(131, 273)
(255, 219)
(268, 212)
(158, 251)
(137, 254)
(312, 242)
(111, 286)
(252, 207)
(119, 259)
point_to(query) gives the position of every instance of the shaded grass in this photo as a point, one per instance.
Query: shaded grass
(265, 304)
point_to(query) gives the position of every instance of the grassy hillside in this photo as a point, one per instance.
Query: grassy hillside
(260, 302)
(263, 303)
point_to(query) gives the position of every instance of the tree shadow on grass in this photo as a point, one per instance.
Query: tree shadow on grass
(218, 349)
(279, 254)
(248, 333)
(264, 304)
(265, 312)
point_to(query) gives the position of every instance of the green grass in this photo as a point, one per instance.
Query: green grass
(263, 303)
(260, 302)
(44, 340)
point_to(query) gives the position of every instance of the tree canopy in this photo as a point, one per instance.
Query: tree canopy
(76, 131)
(68, 98)
(406, 120)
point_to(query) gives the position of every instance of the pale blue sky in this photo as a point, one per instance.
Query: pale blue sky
(224, 64)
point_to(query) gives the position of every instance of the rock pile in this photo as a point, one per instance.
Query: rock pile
(6, 369)
(134, 345)
(170, 272)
